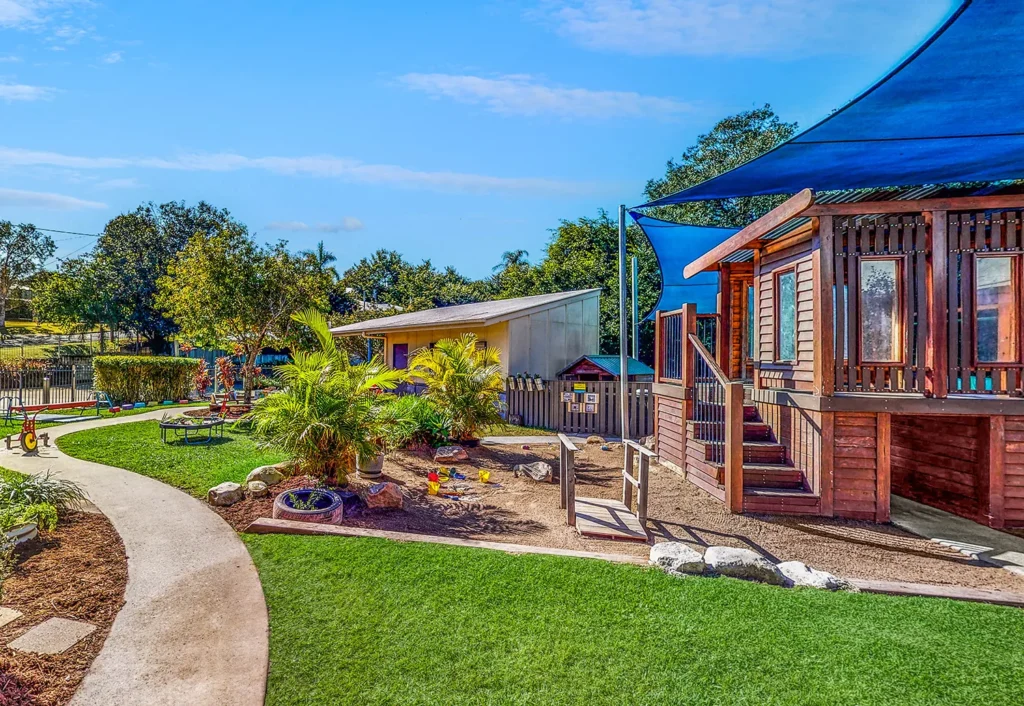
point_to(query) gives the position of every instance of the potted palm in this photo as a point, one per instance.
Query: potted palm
(463, 384)
(330, 412)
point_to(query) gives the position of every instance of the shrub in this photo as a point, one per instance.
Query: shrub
(132, 378)
(430, 425)
(44, 515)
(463, 383)
(7, 562)
(38, 489)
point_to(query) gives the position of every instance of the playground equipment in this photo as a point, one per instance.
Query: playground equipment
(27, 438)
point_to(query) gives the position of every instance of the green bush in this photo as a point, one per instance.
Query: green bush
(44, 515)
(21, 490)
(431, 426)
(138, 378)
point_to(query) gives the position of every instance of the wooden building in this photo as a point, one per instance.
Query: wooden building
(864, 349)
(605, 368)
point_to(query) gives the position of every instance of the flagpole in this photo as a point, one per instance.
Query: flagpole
(623, 357)
(636, 312)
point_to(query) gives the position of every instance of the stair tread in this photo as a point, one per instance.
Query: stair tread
(780, 492)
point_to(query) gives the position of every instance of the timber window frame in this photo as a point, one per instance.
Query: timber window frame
(1015, 309)
(898, 323)
(777, 313)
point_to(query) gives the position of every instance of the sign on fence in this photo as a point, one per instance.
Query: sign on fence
(584, 407)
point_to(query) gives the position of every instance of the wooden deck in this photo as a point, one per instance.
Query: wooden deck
(608, 519)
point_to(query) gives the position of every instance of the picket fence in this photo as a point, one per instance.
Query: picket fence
(546, 409)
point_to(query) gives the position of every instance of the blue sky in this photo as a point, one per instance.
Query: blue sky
(453, 131)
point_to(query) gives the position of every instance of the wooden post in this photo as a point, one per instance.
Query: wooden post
(756, 363)
(561, 476)
(689, 325)
(657, 346)
(627, 487)
(723, 331)
(641, 500)
(883, 465)
(824, 280)
(74, 384)
(992, 481)
(46, 389)
(828, 455)
(734, 446)
(936, 276)
(570, 488)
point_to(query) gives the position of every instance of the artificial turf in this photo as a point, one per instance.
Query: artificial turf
(136, 446)
(363, 621)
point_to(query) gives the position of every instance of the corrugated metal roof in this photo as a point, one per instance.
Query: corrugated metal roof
(612, 364)
(462, 314)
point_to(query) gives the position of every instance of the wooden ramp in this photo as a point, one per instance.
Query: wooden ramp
(608, 519)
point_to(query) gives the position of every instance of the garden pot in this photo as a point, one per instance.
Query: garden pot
(369, 468)
(327, 506)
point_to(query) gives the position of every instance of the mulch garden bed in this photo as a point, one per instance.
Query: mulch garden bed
(521, 510)
(79, 572)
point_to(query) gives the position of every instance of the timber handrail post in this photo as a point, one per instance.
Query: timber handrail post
(641, 495)
(658, 338)
(937, 277)
(627, 476)
(640, 481)
(734, 446)
(567, 478)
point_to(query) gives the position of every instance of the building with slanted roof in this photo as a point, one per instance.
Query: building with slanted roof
(601, 368)
(538, 335)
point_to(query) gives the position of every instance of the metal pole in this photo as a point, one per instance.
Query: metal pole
(636, 313)
(623, 356)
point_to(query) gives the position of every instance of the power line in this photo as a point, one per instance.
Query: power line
(69, 232)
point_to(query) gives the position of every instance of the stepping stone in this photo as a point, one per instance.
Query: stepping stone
(52, 637)
(8, 615)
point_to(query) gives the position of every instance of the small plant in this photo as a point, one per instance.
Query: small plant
(309, 503)
(42, 515)
(226, 373)
(38, 489)
(201, 380)
(6, 560)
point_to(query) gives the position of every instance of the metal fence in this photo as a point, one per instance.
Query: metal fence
(563, 406)
(50, 386)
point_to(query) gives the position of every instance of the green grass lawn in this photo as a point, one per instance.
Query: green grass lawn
(136, 446)
(515, 430)
(362, 621)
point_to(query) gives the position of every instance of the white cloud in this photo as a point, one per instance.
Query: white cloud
(11, 92)
(733, 27)
(24, 14)
(114, 57)
(523, 95)
(324, 166)
(40, 199)
(347, 224)
(127, 183)
(10, 59)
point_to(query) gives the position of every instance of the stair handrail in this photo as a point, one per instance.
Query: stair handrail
(709, 359)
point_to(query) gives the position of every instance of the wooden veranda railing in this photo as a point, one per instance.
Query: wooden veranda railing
(718, 419)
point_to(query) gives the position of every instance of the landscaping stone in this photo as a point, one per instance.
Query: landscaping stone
(595, 439)
(743, 564)
(385, 495)
(225, 494)
(803, 575)
(52, 637)
(648, 442)
(677, 558)
(450, 454)
(257, 488)
(8, 615)
(270, 475)
(538, 470)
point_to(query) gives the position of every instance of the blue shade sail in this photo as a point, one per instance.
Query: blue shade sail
(952, 112)
(676, 245)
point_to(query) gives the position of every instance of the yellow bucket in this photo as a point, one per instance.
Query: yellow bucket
(432, 487)
(485, 476)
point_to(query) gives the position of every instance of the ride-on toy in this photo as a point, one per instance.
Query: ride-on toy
(28, 439)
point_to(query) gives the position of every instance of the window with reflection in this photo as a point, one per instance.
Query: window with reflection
(880, 324)
(785, 315)
(996, 308)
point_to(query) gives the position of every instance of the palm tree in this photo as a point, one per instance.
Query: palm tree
(323, 258)
(463, 382)
(329, 411)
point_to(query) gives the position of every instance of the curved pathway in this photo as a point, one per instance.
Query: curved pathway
(194, 628)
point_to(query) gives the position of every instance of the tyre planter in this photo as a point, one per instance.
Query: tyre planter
(369, 468)
(328, 507)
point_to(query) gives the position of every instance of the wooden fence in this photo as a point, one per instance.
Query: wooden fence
(545, 408)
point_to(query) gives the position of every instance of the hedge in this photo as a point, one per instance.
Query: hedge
(139, 378)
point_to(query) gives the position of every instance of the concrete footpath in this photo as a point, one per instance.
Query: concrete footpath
(194, 628)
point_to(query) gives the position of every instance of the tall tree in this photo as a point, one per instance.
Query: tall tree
(733, 141)
(225, 290)
(23, 252)
(76, 298)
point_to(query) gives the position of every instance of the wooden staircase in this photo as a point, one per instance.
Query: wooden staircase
(770, 481)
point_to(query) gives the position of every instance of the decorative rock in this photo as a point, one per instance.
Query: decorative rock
(450, 454)
(384, 495)
(270, 475)
(743, 564)
(803, 575)
(52, 637)
(225, 494)
(595, 439)
(677, 558)
(8, 615)
(648, 442)
(257, 488)
(538, 470)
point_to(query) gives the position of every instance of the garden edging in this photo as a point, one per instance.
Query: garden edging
(194, 626)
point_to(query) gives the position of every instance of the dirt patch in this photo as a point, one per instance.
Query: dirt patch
(523, 511)
(79, 572)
